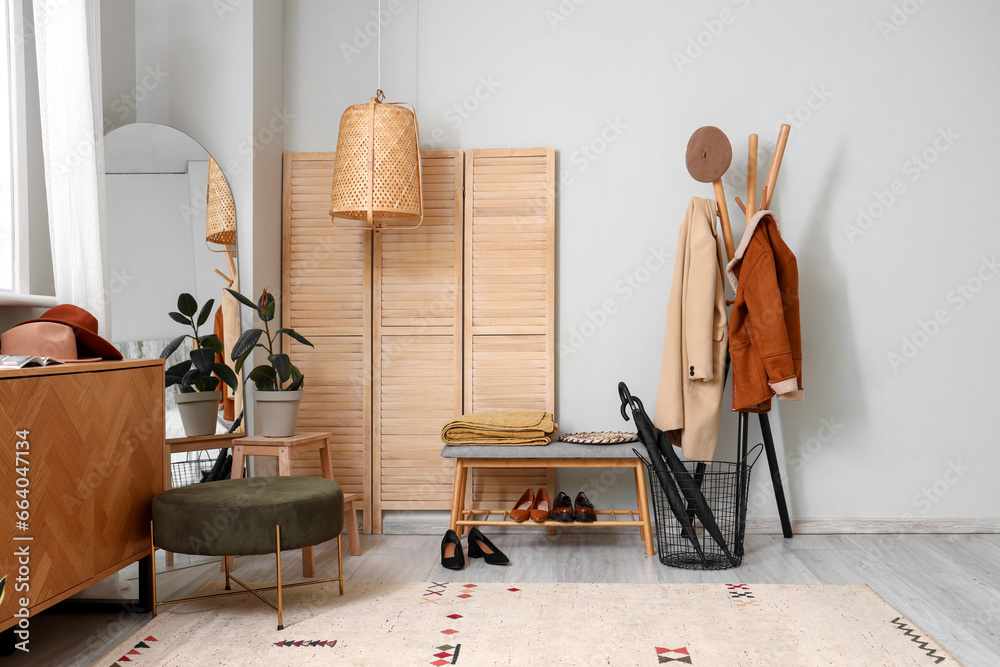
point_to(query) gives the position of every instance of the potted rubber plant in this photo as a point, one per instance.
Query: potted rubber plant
(197, 377)
(278, 383)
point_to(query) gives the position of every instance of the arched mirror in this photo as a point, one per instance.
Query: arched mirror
(171, 229)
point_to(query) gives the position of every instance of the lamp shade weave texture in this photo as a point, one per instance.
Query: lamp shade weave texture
(220, 222)
(376, 175)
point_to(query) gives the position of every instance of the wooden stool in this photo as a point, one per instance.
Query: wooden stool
(283, 449)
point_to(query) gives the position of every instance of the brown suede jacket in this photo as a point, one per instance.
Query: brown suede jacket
(765, 338)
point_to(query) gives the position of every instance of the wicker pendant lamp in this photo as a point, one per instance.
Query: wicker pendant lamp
(376, 174)
(220, 218)
(220, 221)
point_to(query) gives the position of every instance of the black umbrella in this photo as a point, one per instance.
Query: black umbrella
(648, 434)
(689, 486)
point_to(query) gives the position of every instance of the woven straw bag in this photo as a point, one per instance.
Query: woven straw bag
(376, 175)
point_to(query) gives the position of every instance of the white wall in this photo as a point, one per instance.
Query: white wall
(223, 83)
(871, 436)
(118, 78)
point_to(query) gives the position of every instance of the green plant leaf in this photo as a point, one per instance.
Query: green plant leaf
(181, 368)
(175, 374)
(268, 309)
(187, 305)
(187, 389)
(172, 346)
(203, 359)
(296, 336)
(245, 301)
(245, 343)
(227, 375)
(212, 342)
(298, 380)
(240, 361)
(206, 310)
(263, 377)
(262, 372)
(209, 383)
(177, 317)
(189, 377)
(282, 366)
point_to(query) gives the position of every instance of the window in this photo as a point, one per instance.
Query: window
(13, 188)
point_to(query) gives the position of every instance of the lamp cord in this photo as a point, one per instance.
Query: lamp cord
(379, 21)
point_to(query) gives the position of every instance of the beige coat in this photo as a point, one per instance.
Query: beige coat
(689, 400)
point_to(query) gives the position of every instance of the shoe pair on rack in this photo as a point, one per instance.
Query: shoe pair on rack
(453, 558)
(531, 505)
(581, 510)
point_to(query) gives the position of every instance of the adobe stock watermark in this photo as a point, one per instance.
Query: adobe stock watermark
(223, 8)
(816, 99)
(365, 35)
(957, 297)
(562, 12)
(625, 288)
(255, 143)
(588, 153)
(712, 29)
(825, 433)
(929, 496)
(899, 16)
(914, 168)
(461, 110)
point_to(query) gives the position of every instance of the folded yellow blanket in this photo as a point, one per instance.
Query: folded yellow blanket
(501, 428)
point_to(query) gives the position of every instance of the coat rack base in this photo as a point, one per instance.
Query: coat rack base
(743, 428)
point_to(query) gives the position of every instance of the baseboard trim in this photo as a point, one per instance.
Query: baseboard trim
(435, 523)
(847, 525)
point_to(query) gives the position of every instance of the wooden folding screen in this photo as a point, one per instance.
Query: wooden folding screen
(417, 384)
(509, 298)
(326, 285)
(398, 353)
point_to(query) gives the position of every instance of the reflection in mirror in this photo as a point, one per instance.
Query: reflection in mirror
(171, 228)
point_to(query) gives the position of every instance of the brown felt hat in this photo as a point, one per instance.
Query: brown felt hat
(709, 154)
(65, 332)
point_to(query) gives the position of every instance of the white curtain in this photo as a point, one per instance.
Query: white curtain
(67, 42)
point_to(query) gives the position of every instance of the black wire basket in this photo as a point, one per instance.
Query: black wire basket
(724, 485)
(186, 473)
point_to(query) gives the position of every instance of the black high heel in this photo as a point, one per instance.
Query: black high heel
(481, 547)
(452, 556)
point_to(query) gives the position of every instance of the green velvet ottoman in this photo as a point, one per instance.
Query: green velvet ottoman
(247, 517)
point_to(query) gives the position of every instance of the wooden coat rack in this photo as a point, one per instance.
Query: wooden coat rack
(712, 169)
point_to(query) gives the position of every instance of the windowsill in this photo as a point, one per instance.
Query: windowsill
(27, 300)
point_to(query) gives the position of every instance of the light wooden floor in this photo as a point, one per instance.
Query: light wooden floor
(948, 584)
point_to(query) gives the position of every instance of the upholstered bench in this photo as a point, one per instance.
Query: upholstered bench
(555, 455)
(259, 515)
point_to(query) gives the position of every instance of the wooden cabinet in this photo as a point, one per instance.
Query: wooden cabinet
(415, 327)
(94, 462)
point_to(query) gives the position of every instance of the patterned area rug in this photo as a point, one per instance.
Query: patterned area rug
(443, 623)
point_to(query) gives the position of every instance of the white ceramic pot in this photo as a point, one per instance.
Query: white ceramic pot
(199, 411)
(277, 412)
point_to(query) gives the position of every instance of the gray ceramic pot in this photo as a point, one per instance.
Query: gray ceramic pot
(199, 412)
(277, 412)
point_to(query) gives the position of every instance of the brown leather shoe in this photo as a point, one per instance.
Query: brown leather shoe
(562, 509)
(522, 508)
(583, 509)
(540, 510)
